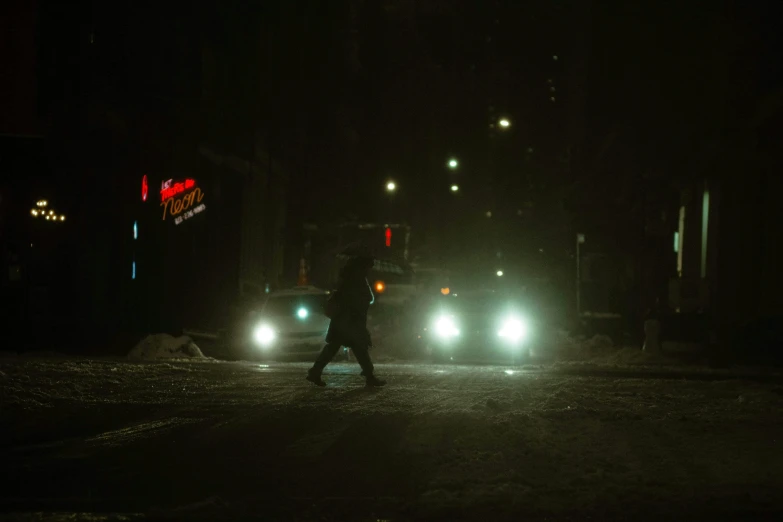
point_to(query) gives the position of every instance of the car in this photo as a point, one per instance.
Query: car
(290, 323)
(483, 325)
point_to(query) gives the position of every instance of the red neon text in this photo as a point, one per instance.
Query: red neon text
(176, 188)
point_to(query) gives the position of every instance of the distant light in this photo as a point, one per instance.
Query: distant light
(555, 57)
(391, 186)
(34, 213)
(48, 218)
(51, 212)
(454, 188)
(552, 99)
(676, 242)
(500, 273)
(380, 287)
(41, 203)
(133, 270)
(445, 291)
(504, 123)
(489, 213)
(135, 230)
(453, 163)
(62, 218)
(144, 188)
(509, 372)
(302, 313)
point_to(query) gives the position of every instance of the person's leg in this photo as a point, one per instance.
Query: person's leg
(362, 355)
(326, 355)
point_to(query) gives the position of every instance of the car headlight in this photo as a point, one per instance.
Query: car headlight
(445, 327)
(264, 335)
(513, 329)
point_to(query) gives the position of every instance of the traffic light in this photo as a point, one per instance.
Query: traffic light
(388, 233)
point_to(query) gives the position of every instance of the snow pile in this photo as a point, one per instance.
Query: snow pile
(165, 346)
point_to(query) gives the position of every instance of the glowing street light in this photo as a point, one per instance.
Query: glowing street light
(453, 163)
(504, 123)
(454, 188)
(391, 186)
(500, 273)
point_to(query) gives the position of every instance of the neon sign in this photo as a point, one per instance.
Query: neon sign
(181, 200)
(168, 189)
(144, 188)
(189, 214)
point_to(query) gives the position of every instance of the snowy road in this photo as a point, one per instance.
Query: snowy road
(440, 442)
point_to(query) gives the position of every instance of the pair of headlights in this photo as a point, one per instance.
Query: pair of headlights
(513, 329)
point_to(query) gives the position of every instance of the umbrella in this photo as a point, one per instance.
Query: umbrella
(384, 262)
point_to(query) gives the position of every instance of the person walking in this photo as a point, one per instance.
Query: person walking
(348, 326)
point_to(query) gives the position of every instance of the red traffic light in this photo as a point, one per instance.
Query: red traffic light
(388, 237)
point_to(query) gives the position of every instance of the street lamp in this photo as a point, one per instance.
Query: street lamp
(391, 186)
(453, 163)
(504, 123)
(454, 188)
(500, 273)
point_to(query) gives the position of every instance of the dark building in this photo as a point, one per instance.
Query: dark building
(137, 107)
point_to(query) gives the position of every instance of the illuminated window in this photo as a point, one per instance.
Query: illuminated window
(681, 240)
(705, 218)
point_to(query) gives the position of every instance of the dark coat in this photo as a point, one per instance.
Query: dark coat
(349, 326)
